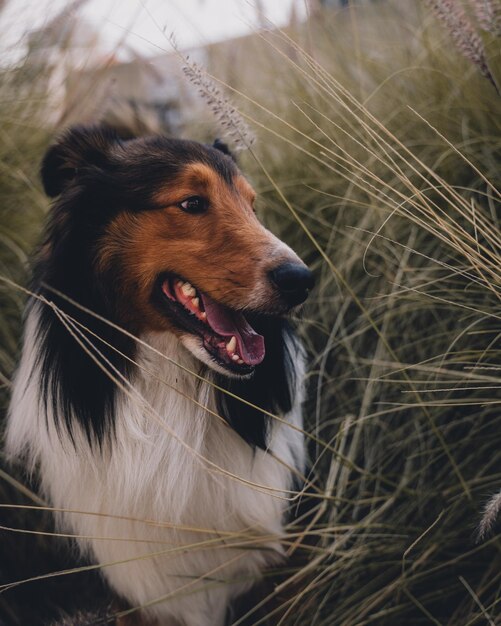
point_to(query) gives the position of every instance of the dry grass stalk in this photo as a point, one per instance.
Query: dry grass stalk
(225, 112)
(490, 517)
(488, 14)
(454, 19)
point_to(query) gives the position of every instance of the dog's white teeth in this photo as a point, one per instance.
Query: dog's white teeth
(235, 357)
(188, 290)
(232, 344)
(240, 362)
(203, 315)
(195, 302)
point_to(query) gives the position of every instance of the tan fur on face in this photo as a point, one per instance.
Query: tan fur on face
(224, 252)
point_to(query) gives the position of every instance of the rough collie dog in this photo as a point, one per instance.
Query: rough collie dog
(170, 482)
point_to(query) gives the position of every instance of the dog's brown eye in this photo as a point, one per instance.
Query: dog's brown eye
(195, 204)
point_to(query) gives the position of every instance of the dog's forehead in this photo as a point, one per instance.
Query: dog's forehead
(200, 178)
(176, 154)
(203, 174)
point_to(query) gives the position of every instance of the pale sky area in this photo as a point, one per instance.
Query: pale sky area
(193, 22)
(147, 25)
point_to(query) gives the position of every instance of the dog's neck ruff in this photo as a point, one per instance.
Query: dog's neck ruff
(192, 499)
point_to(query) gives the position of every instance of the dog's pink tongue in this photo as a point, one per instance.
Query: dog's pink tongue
(230, 323)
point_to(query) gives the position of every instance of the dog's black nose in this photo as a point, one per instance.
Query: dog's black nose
(294, 282)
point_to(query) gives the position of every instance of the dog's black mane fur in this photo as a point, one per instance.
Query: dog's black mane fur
(93, 175)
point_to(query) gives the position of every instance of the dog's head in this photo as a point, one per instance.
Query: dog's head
(166, 231)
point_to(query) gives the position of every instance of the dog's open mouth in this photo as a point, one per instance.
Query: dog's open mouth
(227, 335)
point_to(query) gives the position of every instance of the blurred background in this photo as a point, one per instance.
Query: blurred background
(371, 131)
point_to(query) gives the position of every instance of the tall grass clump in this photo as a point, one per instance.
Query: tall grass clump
(23, 138)
(379, 160)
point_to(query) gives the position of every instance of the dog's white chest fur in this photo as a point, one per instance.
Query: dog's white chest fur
(186, 514)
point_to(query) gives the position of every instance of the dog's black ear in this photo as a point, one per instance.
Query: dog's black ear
(222, 147)
(79, 147)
